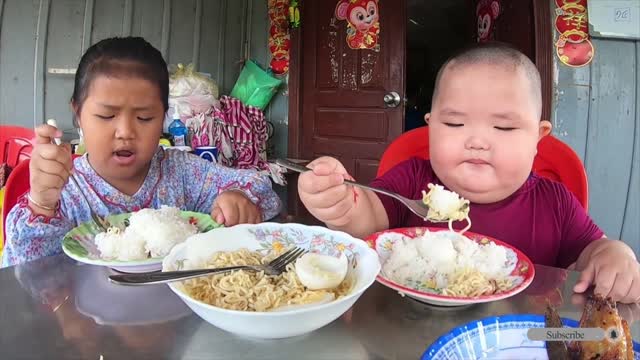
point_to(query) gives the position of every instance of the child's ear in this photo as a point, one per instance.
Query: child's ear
(427, 116)
(544, 128)
(75, 109)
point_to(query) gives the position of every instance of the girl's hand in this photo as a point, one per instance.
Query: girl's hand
(233, 207)
(49, 170)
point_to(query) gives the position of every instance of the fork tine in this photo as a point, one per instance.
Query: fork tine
(282, 256)
(286, 258)
(281, 266)
(99, 221)
(104, 222)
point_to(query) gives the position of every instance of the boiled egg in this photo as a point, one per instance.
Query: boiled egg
(317, 271)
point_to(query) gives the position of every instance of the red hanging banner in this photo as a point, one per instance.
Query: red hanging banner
(279, 38)
(573, 47)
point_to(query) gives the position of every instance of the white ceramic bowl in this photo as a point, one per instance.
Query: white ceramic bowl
(280, 324)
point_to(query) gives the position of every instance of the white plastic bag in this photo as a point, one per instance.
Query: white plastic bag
(191, 92)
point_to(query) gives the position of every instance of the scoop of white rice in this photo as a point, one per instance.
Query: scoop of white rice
(120, 246)
(437, 255)
(161, 229)
(151, 232)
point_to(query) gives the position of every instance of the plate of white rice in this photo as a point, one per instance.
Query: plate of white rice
(135, 242)
(446, 268)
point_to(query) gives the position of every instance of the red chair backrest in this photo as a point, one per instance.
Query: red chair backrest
(15, 144)
(17, 184)
(555, 160)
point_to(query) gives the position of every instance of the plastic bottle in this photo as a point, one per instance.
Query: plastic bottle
(178, 129)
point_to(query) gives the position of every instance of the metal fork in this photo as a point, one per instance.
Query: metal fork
(97, 219)
(275, 267)
(416, 206)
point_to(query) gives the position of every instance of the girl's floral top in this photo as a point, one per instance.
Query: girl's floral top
(176, 178)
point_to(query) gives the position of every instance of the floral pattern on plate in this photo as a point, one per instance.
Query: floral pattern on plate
(79, 245)
(279, 239)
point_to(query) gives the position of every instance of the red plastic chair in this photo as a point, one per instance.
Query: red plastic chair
(15, 144)
(17, 184)
(555, 160)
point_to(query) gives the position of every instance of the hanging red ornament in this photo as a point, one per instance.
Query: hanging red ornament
(280, 66)
(576, 54)
(573, 47)
(279, 39)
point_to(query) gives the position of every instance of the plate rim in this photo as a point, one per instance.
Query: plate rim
(528, 278)
(121, 263)
(456, 331)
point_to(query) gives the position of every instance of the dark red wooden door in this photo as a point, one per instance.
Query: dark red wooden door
(343, 89)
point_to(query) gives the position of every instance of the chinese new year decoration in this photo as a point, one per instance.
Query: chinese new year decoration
(363, 26)
(572, 23)
(279, 37)
(487, 12)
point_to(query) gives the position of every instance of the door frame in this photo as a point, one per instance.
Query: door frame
(295, 91)
(544, 53)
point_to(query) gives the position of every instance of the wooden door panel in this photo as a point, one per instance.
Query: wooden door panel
(343, 112)
(347, 124)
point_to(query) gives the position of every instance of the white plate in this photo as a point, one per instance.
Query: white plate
(79, 245)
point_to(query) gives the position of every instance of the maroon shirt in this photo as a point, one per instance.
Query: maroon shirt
(543, 219)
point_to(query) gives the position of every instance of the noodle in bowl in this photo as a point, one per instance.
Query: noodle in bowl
(263, 320)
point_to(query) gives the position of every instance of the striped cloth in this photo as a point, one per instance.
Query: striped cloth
(239, 132)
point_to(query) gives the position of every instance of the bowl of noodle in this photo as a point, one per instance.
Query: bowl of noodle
(447, 268)
(258, 305)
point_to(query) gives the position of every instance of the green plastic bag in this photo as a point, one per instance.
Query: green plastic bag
(255, 87)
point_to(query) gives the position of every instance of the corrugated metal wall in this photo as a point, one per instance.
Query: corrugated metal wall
(39, 37)
(597, 107)
(597, 112)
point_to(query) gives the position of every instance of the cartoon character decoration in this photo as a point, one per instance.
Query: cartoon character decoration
(487, 12)
(363, 27)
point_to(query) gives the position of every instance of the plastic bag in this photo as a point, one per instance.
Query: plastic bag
(191, 92)
(255, 87)
(184, 81)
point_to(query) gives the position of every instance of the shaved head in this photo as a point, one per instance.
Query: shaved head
(501, 56)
